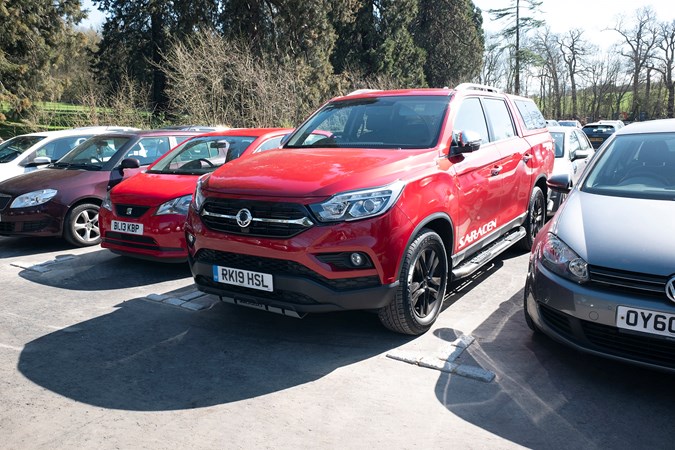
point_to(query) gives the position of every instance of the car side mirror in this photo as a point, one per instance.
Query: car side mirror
(581, 154)
(465, 141)
(40, 161)
(130, 163)
(560, 183)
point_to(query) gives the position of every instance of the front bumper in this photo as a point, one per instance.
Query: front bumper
(43, 220)
(296, 287)
(163, 237)
(584, 317)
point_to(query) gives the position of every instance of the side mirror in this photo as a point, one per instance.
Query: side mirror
(40, 161)
(560, 183)
(465, 141)
(130, 163)
(581, 154)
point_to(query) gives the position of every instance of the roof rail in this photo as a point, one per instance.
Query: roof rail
(477, 87)
(363, 91)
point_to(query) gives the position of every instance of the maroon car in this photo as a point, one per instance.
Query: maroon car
(64, 199)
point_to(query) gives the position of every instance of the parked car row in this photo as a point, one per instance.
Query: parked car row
(380, 200)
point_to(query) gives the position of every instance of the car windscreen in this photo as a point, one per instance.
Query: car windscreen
(202, 155)
(635, 165)
(93, 153)
(559, 140)
(12, 148)
(390, 122)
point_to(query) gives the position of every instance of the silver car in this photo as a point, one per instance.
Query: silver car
(602, 272)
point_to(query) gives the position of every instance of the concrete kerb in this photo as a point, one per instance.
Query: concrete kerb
(444, 360)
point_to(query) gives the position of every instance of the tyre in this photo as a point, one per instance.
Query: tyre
(81, 225)
(536, 218)
(422, 283)
(528, 319)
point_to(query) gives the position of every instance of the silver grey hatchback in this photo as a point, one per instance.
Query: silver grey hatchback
(601, 276)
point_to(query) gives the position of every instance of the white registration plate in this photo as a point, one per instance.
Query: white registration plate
(127, 227)
(653, 322)
(245, 278)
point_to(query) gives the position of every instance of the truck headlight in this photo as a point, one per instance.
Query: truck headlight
(34, 198)
(360, 204)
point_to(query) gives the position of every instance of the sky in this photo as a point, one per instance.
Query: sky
(593, 16)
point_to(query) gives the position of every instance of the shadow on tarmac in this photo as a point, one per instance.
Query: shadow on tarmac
(549, 396)
(12, 247)
(147, 356)
(103, 270)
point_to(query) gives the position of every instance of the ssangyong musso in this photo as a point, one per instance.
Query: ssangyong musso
(374, 203)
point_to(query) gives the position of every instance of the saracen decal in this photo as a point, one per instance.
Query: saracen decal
(477, 233)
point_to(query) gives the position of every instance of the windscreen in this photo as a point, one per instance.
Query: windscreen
(635, 165)
(93, 153)
(396, 122)
(12, 148)
(203, 154)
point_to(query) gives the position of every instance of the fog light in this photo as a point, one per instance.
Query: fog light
(357, 259)
(190, 238)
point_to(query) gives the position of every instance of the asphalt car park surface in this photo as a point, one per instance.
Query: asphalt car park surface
(101, 351)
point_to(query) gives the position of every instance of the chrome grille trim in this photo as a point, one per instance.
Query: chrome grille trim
(305, 221)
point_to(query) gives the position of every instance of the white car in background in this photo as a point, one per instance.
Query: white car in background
(29, 152)
(573, 150)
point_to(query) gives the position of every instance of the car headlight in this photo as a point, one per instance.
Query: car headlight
(178, 205)
(357, 205)
(33, 198)
(198, 197)
(107, 203)
(559, 258)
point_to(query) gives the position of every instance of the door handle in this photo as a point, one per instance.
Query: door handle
(496, 170)
(527, 157)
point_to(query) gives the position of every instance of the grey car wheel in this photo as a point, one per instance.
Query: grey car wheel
(422, 283)
(81, 225)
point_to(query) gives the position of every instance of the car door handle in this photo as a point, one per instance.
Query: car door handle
(527, 157)
(496, 170)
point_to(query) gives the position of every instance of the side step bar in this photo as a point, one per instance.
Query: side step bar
(479, 259)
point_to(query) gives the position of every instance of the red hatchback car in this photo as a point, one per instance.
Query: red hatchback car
(144, 215)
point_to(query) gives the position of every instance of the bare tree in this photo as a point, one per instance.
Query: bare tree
(640, 37)
(573, 48)
(666, 61)
(545, 44)
(212, 80)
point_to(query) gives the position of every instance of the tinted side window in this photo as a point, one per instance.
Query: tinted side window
(500, 119)
(531, 115)
(470, 117)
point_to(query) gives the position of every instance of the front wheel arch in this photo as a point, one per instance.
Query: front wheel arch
(423, 280)
(76, 235)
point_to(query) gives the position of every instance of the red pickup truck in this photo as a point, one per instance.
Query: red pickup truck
(376, 202)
